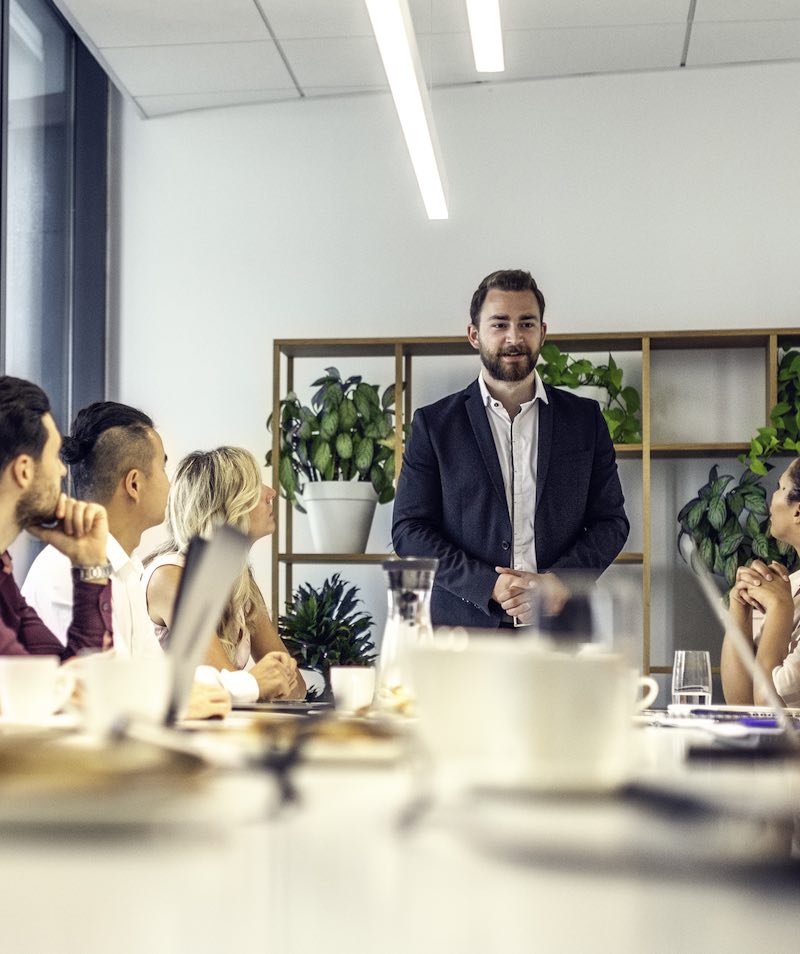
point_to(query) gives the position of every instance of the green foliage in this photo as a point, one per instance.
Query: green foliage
(730, 527)
(348, 433)
(323, 628)
(622, 409)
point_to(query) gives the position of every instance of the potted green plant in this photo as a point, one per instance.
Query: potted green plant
(340, 449)
(620, 405)
(730, 527)
(323, 628)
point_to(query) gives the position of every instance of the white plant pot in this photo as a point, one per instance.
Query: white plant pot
(589, 391)
(340, 514)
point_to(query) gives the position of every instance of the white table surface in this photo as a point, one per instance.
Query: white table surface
(336, 874)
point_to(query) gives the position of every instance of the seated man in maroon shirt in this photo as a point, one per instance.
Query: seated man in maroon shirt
(31, 499)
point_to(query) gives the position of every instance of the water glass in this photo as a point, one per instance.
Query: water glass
(691, 678)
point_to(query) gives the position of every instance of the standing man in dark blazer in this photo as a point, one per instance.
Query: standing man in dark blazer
(510, 480)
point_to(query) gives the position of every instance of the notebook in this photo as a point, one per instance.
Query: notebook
(295, 706)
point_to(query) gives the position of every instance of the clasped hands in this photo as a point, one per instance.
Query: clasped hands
(762, 586)
(514, 590)
(277, 677)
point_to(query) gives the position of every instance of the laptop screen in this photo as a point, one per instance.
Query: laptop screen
(212, 567)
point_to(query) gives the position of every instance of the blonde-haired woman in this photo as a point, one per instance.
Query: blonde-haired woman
(211, 488)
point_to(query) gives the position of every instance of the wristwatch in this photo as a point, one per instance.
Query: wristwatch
(88, 573)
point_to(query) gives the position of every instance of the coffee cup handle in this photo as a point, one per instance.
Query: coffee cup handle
(64, 687)
(651, 691)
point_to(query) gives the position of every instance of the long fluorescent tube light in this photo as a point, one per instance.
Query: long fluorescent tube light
(397, 44)
(487, 35)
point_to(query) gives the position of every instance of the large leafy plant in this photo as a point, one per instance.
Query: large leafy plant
(621, 409)
(730, 527)
(323, 627)
(347, 433)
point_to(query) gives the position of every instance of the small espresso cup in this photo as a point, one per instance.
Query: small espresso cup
(33, 687)
(353, 687)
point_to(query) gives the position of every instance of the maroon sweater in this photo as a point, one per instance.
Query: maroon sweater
(22, 632)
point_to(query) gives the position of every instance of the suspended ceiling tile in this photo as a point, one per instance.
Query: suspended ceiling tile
(440, 16)
(572, 51)
(152, 22)
(528, 15)
(447, 60)
(297, 19)
(719, 10)
(331, 92)
(153, 106)
(335, 61)
(714, 43)
(200, 68)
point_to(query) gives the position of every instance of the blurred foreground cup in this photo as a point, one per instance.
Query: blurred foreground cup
(33, 687)
(118, 689)
(501, 711)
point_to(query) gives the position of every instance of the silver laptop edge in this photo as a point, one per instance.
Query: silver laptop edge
(205, 589)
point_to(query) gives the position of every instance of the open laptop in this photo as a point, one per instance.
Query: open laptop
(212, 567)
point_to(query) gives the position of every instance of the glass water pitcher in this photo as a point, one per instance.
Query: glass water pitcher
(409, 581)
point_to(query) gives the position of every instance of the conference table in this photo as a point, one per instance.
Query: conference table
(360, 846)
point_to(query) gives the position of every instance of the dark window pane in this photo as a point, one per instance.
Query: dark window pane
(38, 198)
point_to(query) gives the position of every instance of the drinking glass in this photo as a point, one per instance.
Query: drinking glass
(691, 678)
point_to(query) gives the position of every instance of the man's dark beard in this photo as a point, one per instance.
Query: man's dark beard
(516, 371)
(34, 507)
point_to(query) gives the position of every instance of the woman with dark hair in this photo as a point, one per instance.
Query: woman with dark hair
(765, 605)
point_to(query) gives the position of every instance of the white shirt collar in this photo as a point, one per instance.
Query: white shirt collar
(539, 393)
(118, 558)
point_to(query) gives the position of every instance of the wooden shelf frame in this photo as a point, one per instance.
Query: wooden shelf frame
(403, 351)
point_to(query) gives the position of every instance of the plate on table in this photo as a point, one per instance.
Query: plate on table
(79, 782)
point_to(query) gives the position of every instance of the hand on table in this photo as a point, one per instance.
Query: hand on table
(207, 701)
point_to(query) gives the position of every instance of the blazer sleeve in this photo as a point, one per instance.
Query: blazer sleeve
(418, 524)
(605, 523)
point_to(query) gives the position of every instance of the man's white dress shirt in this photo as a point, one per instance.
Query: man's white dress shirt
(48, 589)
(517, 444)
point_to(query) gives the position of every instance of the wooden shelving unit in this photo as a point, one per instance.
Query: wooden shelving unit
(403, 351)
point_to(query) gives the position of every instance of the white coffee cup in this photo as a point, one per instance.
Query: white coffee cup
(353, 687)
(506, 711)
(118, 688)
(33, 687)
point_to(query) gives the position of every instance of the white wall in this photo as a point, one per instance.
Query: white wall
(663, 200)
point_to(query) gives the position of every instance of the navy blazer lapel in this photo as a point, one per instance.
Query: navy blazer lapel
(545, 445)
(483, 435)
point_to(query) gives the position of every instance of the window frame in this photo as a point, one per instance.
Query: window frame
(85, 318)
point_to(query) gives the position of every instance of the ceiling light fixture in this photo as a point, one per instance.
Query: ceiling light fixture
(487, 35)
(397, 43)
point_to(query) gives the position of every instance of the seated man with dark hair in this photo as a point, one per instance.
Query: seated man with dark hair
(31, 499)
(116, 459)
